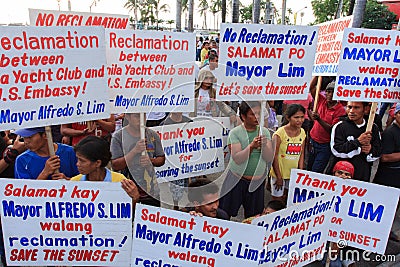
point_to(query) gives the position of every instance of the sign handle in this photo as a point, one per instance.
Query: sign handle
(142, 130)
(50, 143)
(317, 93)
(262, 116)
(371, 116)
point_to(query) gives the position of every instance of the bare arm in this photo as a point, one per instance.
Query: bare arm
(393, 157)
(17, 148)
(107, 124)
(301, 159)
(313, 86)
(267, 149)
(275, 163)
(66, 130)
(315, 116)
(240, 155)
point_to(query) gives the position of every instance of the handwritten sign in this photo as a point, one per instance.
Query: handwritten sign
(226, 127)
(330, 35)
(65, 223)
(296, 235)
(39, 17)
(150, 71)
(368, 68)
(191, 149)
(359, 207)
(51, 74)
(265, 62)
(173, 238)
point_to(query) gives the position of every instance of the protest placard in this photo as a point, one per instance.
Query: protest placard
(329, 45)
(225, 124)
(171, 238)
(191, 149)
(297, 235)
(359, 207)
(265, 62)
(151, 71)
(40, 17)
(51, 75)
(368, 68)
(59, 223)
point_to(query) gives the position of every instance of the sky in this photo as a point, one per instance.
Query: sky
(16, 11)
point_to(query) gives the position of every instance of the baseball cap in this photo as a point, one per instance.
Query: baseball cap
(29, 131)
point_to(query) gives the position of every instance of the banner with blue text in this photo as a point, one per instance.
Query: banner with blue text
(265, 62)
(164, 237)
(359, 207)
(52, 75)
(151, 70)
(297, 235)
(368, 66)
(191, 149)
(63, 223)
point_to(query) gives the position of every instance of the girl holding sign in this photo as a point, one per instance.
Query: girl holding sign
(289, 152)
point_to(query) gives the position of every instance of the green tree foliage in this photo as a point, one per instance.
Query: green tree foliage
(325, 10)
(245, 13)
(376, 15)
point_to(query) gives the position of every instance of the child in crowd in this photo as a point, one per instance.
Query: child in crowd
(345, 170)
(289, 152)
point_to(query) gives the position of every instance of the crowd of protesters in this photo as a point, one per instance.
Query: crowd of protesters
(320, 140)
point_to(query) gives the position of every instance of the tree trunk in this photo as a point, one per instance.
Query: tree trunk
(178, 17)
(351, 7)
(223, 11)
(358, 13)
(235, 11)
(283, 21)
(256, 11)
(205, 20)
(267, 19)
(339, 9)
(190, 22)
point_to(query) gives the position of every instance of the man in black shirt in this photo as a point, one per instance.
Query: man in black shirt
(351, 141)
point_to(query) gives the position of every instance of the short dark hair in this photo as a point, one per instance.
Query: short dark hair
(212, 56)
(94, 148)
(276, 205)
(244, 107)
(365, 104)
(201, 187)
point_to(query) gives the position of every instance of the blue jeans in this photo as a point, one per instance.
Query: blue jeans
(319, 156)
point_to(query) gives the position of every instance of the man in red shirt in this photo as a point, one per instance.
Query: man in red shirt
(327, 114)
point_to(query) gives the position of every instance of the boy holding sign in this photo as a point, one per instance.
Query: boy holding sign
(36, 162)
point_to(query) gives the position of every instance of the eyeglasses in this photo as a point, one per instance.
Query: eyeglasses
(344, 173)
